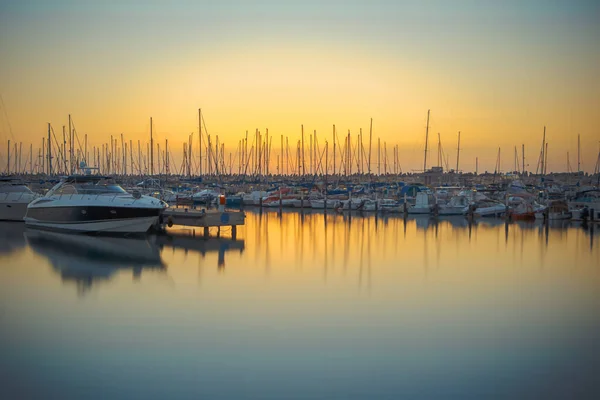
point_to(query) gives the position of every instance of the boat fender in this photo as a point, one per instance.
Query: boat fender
(170, 221)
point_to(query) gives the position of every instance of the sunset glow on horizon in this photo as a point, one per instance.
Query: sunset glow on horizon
(498, 72)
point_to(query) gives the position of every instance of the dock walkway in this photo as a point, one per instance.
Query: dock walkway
(203, 218)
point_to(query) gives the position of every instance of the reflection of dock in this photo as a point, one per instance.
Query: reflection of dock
(189, 242)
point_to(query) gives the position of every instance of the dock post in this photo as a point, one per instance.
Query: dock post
(206, 232)
(218, 231)
(302, 200)
(234, 232)
(280, 199)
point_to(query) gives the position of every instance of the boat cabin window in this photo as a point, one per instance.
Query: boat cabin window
(66, 189)
(91, 187)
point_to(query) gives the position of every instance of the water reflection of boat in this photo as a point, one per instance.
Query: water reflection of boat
(457, 221)
(86, 259)
(425, 221)
(11, 237)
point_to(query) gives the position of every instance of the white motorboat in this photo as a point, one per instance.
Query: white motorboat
(370, 205)
(253, 198)
(14, 198)
(458, 205)
(93, 204)
(389, 205)
(351, 204)
(489, 208)
(585, 202)
(423, 204)
(556, 210)
(322, 203)
(205, 196)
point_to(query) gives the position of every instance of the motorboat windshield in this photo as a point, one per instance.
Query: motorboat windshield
(88, 185)
(12, 188)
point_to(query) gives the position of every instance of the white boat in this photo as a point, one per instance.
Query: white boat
(389, 205)
(321, 203)
(458, 205)
(351, 204)
(253, 198)
(277, 201)
(370, 205)
(488, 208)
(584, 202)
(555, 211)
(300, 203)
(93, 204)
(14, 198)
(423, 204)
(205, 196)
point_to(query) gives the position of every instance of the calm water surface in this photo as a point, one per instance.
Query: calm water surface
(304, 306)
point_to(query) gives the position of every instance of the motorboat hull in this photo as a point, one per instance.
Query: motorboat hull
(97, 218)
(12, 211)
(128, 225)
(322, 204)
(494, 211)
(419, 210)
(452, 210)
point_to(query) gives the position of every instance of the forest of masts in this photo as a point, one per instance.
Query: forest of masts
(63, 153)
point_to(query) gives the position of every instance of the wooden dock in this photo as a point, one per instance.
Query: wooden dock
(203, 218)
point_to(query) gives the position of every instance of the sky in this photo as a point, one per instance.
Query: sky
(498, 72)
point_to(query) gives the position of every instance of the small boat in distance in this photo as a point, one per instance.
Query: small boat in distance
(93, 204)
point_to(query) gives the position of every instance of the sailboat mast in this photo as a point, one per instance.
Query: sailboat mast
(70, 146)
(200, 140)
(334, 149)
(49, 151)
(151, 150)
(458, 152)
(378, 156)
(523, 158)
(370, 143)
(578, 153)
(543, 150)
(303, 167)
(426, 142)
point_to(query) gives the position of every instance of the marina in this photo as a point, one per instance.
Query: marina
(309, 200)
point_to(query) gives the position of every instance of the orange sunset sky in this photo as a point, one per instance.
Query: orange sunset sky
(496, 71)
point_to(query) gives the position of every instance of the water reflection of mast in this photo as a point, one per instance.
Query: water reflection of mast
(325, 251)
(360, 265)
(346, 243)
(301, 238)
(369, 258)
(470, 227)
(437, 244)
(425, 258)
